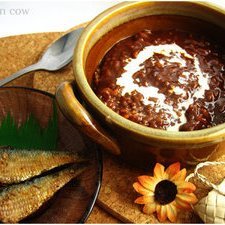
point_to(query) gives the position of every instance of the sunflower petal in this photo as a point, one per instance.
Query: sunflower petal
(180, 176)
(149, 208)
(159, 171)
(173, 169)
(171, 212)
(148, 182)
(187, 197)
(162, 213)
(186, 187)
(182, 205)
(144, 200)
(141, 190)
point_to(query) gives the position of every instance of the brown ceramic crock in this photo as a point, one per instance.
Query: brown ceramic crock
(136, 143)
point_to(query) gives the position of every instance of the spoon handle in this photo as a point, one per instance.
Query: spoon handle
(19, 74)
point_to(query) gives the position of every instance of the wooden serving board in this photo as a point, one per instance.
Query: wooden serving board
(115, 201)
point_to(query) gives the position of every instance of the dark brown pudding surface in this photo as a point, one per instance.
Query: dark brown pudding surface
(172, 80)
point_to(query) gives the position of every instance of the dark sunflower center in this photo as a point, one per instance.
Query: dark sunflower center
(165, 192)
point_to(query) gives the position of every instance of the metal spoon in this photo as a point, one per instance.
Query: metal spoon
(57, 55)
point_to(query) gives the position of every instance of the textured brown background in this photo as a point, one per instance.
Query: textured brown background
(115, 202)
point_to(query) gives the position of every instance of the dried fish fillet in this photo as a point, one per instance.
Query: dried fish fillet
(20, 165)
(21, 200)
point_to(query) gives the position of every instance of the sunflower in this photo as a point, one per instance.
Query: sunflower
(165, 192)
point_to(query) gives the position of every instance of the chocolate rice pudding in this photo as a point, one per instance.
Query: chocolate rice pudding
(167, 79)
